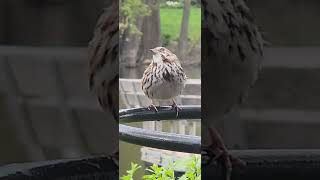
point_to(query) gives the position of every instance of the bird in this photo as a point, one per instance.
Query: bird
(232, 52)
(103, 55)
(164, 78)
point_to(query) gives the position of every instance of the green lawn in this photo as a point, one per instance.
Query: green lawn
(171, 23)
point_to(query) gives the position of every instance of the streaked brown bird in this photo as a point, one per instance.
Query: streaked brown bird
(231, 54)
(103, 54)
(164, 78)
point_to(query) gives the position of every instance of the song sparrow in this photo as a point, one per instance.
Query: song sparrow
(231, 54)
(164, 78)
(103, 63)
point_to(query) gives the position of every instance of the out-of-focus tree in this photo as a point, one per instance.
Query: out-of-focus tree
(183, 39)
(151, 29)
(132, 13)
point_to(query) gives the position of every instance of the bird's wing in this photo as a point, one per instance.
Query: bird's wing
(103, 60)
(231, 53)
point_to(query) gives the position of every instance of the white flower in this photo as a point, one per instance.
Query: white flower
(173, 3)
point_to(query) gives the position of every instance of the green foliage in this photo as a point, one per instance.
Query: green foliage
(193, 169)
(191, 165)
(171, 24)
(166, 39)
(159, 173)
(130, 173)
(130, 10)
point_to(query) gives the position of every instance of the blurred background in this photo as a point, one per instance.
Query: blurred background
(47, 111)
(282, 110)
(175, 25)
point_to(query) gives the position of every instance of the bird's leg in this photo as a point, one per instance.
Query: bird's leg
(217, 148)
(115, 156)
(175, 106)
(152, 106)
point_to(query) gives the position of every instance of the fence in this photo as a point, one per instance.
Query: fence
(49, 104)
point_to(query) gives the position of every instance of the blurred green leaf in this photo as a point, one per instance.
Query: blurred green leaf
(192, 166)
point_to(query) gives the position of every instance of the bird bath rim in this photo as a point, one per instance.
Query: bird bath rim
(156, 139)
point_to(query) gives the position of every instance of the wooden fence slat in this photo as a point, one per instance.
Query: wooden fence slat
(123, 96)
(274, 56)
(132, 95)
(77, 145)
(281, 116)
(18, 113)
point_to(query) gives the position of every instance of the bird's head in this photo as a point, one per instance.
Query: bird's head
(162, 54)
(161, 50)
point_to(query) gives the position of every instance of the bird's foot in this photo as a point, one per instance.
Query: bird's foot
(222, 156)
(152, 106)
(176, 108)
(216, 151)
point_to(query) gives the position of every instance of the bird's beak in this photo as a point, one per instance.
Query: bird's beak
(153, 50)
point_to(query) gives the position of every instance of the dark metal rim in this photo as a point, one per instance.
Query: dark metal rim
(276, 164)
(164, 113)
(155, 139)
(92, 167)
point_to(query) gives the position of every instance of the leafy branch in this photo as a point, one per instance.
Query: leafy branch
(192, 170)
(130, 11)
(130, 173)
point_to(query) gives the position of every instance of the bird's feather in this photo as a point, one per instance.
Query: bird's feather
(103, 60)
(231, 52)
